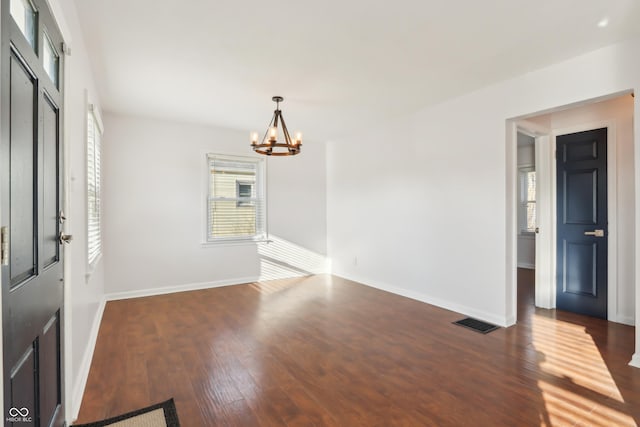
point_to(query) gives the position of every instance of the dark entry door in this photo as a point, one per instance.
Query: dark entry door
(582, 222)
(30, 195)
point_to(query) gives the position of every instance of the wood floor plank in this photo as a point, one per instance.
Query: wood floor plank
(324, 351)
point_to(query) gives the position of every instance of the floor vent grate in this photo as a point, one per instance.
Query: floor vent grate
(477, 325)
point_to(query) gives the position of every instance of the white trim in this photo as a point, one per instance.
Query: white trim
(95, 110)
(85, 365)
(545, 246)
(612, 209)
(505, 321)
(114, 296)
(67, 312)
(512, 202)
(234, 242)
(635, 361)
(626, 320)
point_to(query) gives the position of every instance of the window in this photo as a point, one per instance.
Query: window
(50, 59)
(236, 201)
(94, 222)
(527, 214)
(24, 15)
(244, 193)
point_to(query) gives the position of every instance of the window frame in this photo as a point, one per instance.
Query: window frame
(260, 187)
(523, 201)
(92, 112)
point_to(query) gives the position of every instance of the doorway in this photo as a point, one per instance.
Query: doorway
(615, 113)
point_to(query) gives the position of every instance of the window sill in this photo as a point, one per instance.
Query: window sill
(234, 242)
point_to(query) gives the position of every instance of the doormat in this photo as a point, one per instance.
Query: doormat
(160, 415)
(476, 325)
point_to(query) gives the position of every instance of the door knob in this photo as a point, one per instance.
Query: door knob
(595, 233)
(65, 238)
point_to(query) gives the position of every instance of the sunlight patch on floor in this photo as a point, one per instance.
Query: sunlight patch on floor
(273, 286)
(574, 375)
(280, 259)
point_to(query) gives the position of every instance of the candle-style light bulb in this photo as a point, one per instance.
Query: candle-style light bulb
(273, 134)
(298, 138)
(254, 138)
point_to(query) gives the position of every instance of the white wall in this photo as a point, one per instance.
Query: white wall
(619, 113)
(427, 203)
(154, 212)
(526, 242)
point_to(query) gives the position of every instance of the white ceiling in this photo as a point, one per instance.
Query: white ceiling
(341, 65)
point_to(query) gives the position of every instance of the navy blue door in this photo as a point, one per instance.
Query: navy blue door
(582, 222)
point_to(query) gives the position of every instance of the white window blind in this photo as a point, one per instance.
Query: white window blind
(94, 233)
(236, 203)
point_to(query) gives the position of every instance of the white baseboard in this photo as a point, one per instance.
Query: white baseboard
(527, 265)
(448, 305)
(85, 365)
(635, 360)
(114, 296)
(625, 320)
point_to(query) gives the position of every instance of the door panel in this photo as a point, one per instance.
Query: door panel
(23, 143)
(51, 208)
(582, 209)
(23, 387)
(581, 197)
(577, 279)
(30, 194)
(50, 370)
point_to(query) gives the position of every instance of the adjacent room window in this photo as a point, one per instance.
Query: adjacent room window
(527, 214)
(94, 219)
(245, 191)
(236, 200)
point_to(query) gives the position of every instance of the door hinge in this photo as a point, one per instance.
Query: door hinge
(65, 49)
(4, 245)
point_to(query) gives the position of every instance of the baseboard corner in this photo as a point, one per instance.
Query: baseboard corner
(635, 361)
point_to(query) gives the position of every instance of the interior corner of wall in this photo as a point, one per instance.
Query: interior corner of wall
(635, 361)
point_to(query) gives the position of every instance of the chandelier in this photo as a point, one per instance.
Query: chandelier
(270, 146)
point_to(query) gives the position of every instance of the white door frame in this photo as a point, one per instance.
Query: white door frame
(544, 271)
(545, 287)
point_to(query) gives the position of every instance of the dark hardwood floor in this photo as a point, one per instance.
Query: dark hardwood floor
(324, 351)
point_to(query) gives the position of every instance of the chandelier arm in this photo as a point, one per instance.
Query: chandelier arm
(287, 137)
(276, 115)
